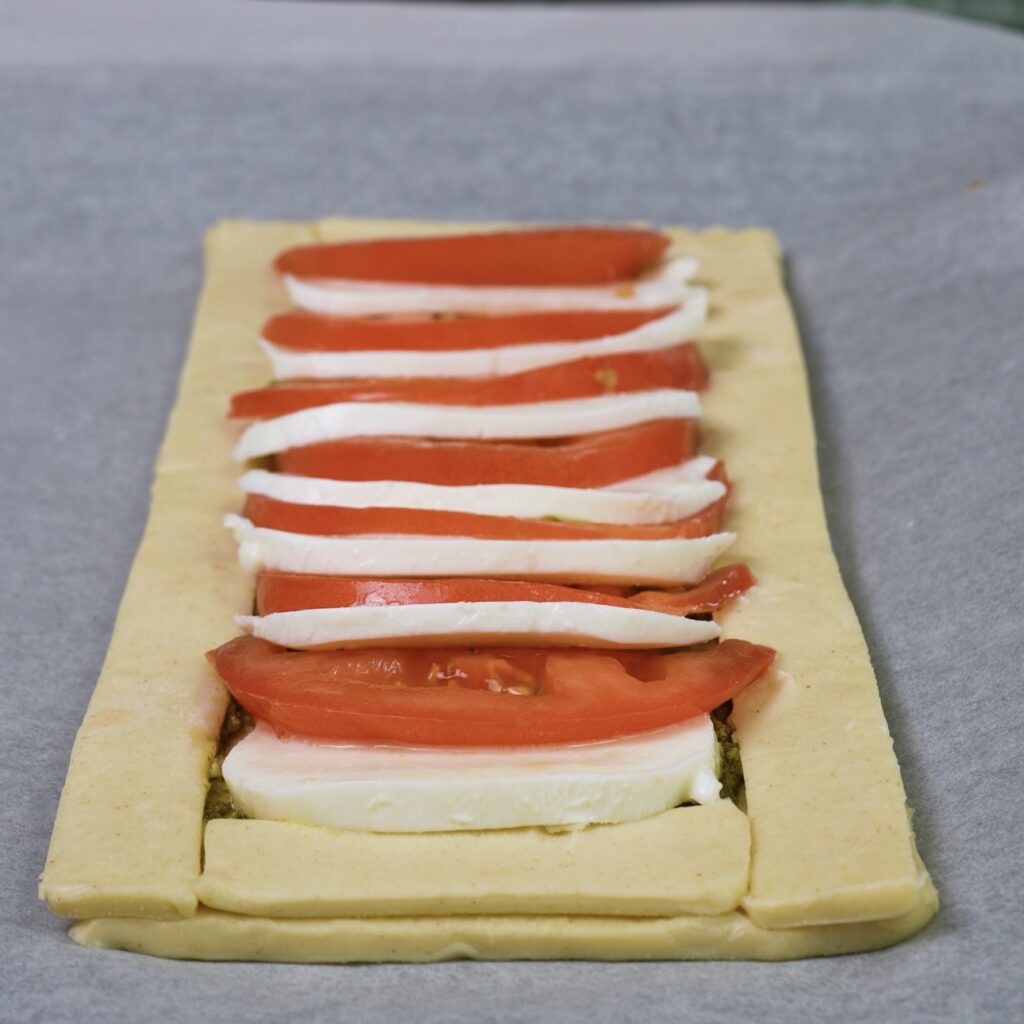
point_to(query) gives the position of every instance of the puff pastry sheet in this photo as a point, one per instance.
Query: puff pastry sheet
(822, 862)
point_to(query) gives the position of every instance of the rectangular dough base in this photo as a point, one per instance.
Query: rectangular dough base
(832, 866)
(212, 935)
(690, 860)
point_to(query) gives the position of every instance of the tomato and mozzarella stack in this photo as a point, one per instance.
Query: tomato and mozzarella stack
(586, 269)
(484, 539)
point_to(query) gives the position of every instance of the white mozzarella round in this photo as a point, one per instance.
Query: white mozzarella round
(666, 286)
(670, 479)
(410, 789)
(672, 329)
(526, 421)
(658, 563)
(523, 501)
(518, 623)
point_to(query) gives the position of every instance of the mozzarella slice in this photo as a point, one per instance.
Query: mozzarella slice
(523, 501)
(666, 286)
(670, 479)
(410, 789)
(526, 421)
(519, 623)
(640, 562)
(672, 329)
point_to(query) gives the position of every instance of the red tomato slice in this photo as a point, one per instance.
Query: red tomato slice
(718, 472)
(339, 521)
(718, 589)
(315, 332)
(680, 367)
(578, 256)
(592, 461)
(447, 697)
(288, 592)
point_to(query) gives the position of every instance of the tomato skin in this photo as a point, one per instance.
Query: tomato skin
(718, 472)
(577, 256)
(596, 460)
(445, 697)
(315, 332)
(717, 590)
(678, 367)
(286, 592)
(340, 521)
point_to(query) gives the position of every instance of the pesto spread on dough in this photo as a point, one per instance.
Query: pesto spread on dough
(730, 771)
(218, 797)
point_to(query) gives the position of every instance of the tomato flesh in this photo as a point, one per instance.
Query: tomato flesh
(288, 592)
(340, 521)
(596, 460)
(678, 367)
(469, 697)
(570, 257)
(717, 590)
(315, 332)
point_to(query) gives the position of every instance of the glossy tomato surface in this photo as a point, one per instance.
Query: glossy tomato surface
(596, 460)
(572, 257)
(286, 592)
(678, 367)
(339, 521)
(473, 697)
(317, 332)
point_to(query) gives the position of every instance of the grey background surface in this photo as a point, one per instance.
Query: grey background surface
(887, 151)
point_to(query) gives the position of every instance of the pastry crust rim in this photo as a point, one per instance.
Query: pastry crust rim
(908, 897)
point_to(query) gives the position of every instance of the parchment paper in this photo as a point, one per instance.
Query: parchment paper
(887, 151)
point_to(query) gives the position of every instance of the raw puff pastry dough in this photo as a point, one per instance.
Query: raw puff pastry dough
(827, 844)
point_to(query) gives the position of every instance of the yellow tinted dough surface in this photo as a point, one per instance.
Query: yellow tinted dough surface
(832, 867)
(690, 860)
(211, 935)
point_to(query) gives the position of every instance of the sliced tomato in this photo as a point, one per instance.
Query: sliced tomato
(288, 592)
(718, 589)
(718, 472)
(577, 256)
(315, 332)
(468, 697)
(679, 367)
(596, 460)
(341, 521)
